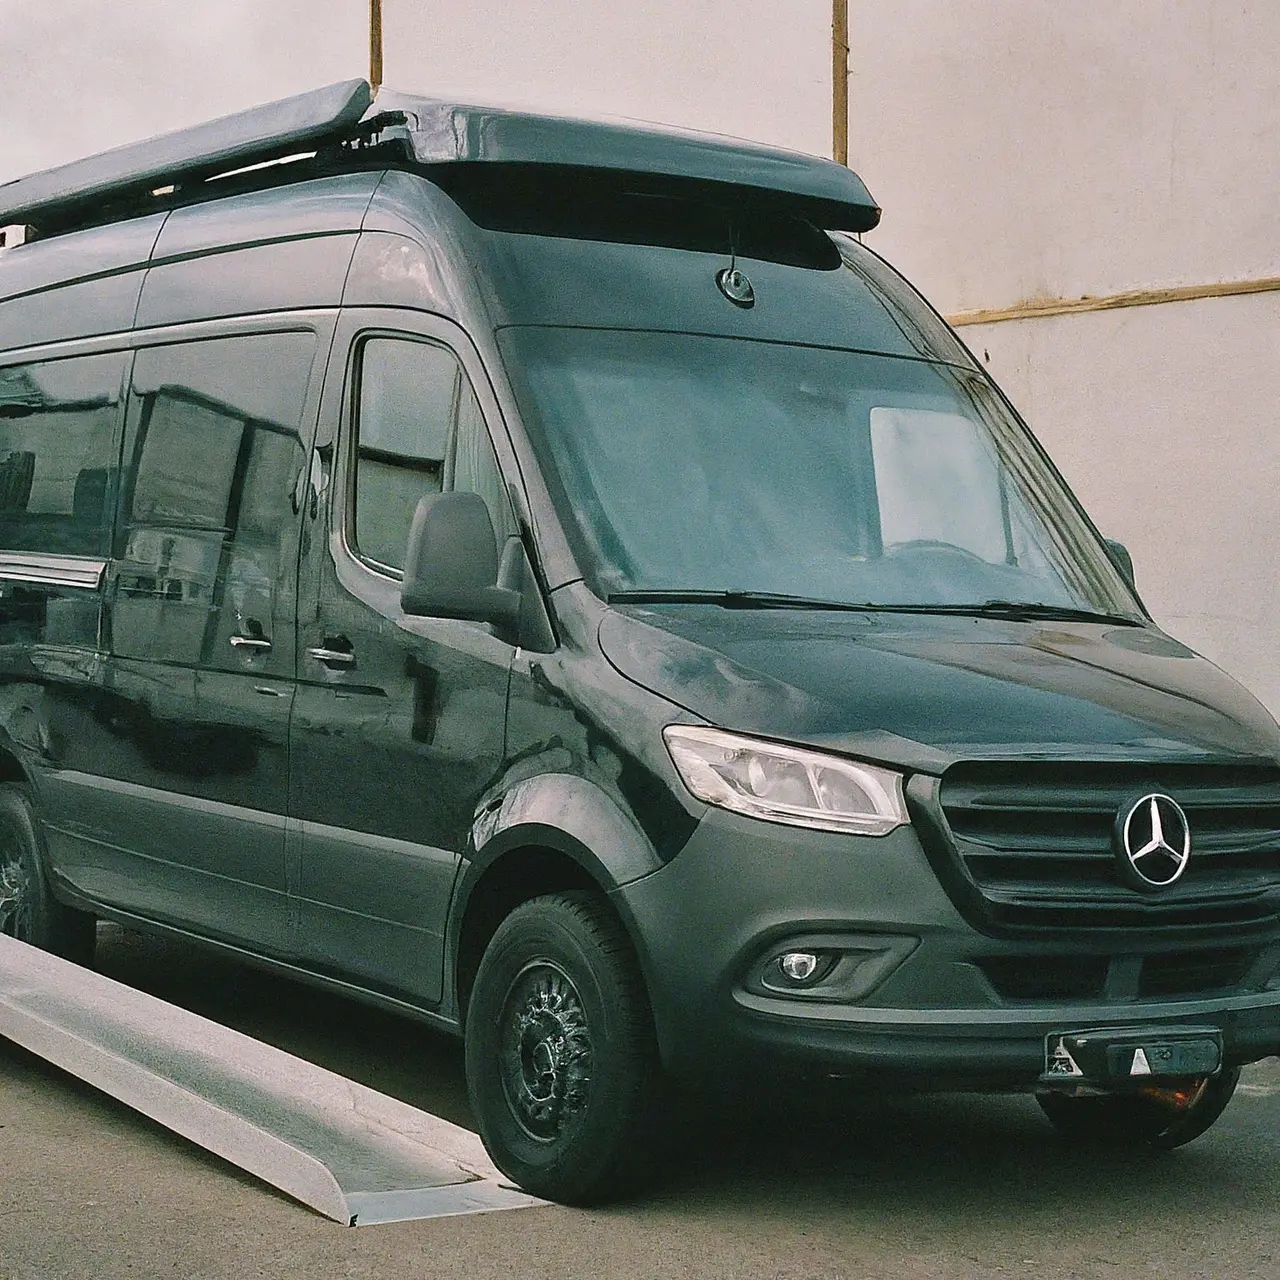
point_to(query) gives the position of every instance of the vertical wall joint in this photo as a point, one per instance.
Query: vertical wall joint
(840, 81)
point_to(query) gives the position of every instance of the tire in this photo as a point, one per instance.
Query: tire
(28, 909)
(562, 1063)
(1163, 1117)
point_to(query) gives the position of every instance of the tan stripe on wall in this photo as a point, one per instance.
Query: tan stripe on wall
(1112, 301)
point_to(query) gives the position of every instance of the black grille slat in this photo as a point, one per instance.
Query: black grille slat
(1046, 977)
(1035, 841)
(1192, 973)
(1161, 975)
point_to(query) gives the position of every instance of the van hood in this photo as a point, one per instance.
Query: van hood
(922, 691)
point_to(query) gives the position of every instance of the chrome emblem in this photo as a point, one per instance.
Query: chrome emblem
(1152, 842)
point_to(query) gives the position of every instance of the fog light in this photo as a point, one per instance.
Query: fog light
(799, 966)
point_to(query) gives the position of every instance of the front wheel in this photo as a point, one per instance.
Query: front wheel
(28, 909)
(1164, 1116)
(562, 1063)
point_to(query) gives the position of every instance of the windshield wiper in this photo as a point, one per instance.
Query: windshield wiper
(1017, 611)
(1014, 610)
(731, 599)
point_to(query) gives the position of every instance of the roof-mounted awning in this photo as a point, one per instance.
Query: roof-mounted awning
(293, 124)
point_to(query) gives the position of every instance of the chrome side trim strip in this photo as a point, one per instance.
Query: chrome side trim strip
(53, 571)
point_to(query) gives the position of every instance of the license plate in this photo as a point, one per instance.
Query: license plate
(1112, 1055)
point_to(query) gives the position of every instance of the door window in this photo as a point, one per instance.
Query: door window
(58, 454)
(418, 430)
(213, 449)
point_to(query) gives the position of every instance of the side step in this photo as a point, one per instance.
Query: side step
(349, 1152)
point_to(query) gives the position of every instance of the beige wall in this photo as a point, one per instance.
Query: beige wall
(1023, 148)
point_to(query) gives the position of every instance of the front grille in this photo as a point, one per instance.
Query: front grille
(1046, 977)
(1193, 972)
(1034, 842)
(1160, 975)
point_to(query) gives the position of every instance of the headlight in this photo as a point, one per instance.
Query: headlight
(786, 784)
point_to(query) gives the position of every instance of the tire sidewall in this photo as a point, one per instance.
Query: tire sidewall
(569, 1165)
(19, 842)
(52, 927)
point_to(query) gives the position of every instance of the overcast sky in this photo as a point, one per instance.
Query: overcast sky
(83, 75)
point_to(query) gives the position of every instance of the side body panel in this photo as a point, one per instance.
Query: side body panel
(76, 285)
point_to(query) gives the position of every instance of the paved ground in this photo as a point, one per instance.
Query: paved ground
(938, 1187)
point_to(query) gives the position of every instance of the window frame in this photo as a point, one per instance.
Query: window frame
(344, 513)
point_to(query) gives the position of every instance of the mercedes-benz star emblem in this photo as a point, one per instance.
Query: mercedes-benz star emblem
(1152, 842)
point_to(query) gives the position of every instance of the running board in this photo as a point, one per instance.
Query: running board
(349, 1152)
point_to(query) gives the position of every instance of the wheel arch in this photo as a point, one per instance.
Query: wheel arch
(515, 876)
(546, 835)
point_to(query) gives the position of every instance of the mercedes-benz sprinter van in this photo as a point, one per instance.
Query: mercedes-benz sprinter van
(552, 579)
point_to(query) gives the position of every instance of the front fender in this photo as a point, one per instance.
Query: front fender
(560, 812)
(566, 813)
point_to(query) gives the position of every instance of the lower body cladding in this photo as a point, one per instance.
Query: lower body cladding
(774, 952)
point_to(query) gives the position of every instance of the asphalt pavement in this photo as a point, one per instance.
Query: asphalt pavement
(925, 1187)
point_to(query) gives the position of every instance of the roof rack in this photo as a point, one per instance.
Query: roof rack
(262, 133)
(434, 136)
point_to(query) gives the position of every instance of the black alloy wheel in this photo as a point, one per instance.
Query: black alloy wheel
(1163, 1115)
(28, 909)
(562, 1063)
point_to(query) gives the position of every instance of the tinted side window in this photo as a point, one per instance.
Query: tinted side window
(212, 448)
(58, 454)
(408, 401)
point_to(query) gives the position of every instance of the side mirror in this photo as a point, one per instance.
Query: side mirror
(1121, 559)
(451, 566)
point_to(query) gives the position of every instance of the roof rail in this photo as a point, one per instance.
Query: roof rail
(260, 134)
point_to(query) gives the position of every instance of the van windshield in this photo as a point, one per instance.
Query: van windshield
(693, 464)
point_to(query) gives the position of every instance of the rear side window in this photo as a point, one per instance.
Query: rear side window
(58, 454)
(213, 449)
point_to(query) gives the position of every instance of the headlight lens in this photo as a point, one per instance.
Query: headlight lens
(786, 784)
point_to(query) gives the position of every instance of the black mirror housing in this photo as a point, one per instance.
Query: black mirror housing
(451, 565)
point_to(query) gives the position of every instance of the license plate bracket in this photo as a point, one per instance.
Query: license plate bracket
(1114, 1056)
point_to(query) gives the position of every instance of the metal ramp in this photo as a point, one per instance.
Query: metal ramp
(347, 1151)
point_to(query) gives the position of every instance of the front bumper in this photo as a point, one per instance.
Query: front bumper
(740, 889)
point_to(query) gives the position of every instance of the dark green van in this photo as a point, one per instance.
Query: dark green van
(552, 579)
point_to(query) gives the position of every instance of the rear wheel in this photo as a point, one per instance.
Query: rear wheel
(562, 1063)
(28, 909)
(1164, 1116)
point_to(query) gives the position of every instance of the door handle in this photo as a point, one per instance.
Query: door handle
(250, 642)
(333, 657)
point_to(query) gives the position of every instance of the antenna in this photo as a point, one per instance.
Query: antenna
(375, 45)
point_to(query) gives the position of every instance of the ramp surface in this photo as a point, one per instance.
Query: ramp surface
(347, 1151)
